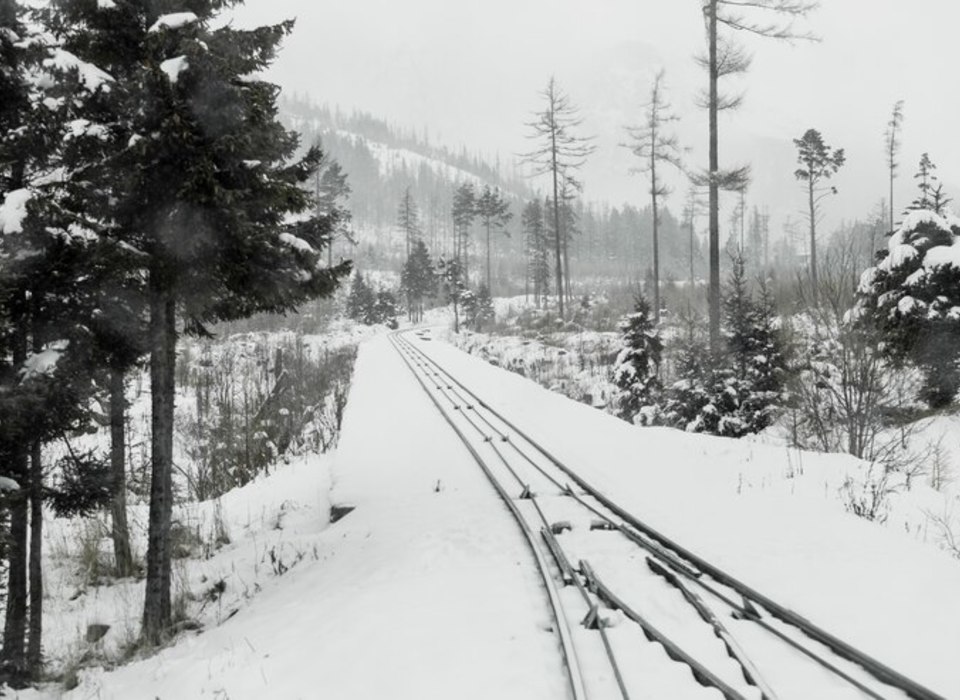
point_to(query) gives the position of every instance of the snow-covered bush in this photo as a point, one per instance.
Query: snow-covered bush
(912, 297)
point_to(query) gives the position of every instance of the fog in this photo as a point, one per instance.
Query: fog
(469, 74)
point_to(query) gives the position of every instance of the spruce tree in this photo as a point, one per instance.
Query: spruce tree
(538, 260)
(418, 280)
(493, 211)
(636, 369)
(911, 297)
(209, 199)
(361, 299)
(464, 211)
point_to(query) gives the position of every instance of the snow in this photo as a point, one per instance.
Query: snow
(296, 243)
(426, 589)
(93, 78)
(8, 484)
(84, 127)
(43, 363)
(769, 515)
(906, 305)
(946, 255)
(899, 254)
(923, 217)
(106, 4)
(13, 211)
(173, 67)
(174, 20)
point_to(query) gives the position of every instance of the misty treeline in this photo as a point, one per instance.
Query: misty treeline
(148, 191)
(803, 323)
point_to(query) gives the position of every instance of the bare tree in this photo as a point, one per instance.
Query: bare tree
(654, 145)
(892, 148)
(560, 153)
(766, 18)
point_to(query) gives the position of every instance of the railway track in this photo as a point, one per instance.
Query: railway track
(636, 614)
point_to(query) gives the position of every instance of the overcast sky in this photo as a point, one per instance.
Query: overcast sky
(470, 70)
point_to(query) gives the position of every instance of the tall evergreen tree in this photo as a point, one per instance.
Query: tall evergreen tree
(418, 280)
(408, 221)
(538, 260)
(637, 366)
(208, 197)
(493, 211)
(463, 211)
(332, 190)
(819, 162)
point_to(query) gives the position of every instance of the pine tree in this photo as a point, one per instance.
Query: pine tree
(418, 280)
(738, 391)
(477, 307)
(208, 198)
(910, 298)
(493, 211)
(636, 369)
(332, 191)
(464, 211)
(361, 299)
(538, 260)
(819, 162)
(931, 197)
(408, 221)
(453, 285)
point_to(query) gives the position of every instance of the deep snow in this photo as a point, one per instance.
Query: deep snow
(426, 590)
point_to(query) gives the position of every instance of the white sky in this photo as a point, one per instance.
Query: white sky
(470, 70)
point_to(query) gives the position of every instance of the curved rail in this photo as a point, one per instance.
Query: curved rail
(571, 662)
(693, 567)
(463, 407)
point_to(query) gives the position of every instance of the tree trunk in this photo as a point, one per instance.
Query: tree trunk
(489, 288)
(556, 218)
(713, 294)
(123, 558)
(156, 606)
(656, 239)
(813, 240)
(35, 636)
(15, 623)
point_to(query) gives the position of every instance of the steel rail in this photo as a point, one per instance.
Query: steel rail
(571, 663)
(874, 667)
(700, 672)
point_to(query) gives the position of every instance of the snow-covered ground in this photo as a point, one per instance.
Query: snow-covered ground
(425, 590)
